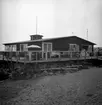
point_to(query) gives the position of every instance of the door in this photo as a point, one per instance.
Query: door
(46, 48)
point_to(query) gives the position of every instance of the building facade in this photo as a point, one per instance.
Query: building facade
(70, 43)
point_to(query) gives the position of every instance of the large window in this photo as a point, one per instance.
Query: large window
(7, 48)
(10, 47)
(23, 47)
(90, 48)
(74, 47)
(13, 47)
(50, 47)
(47, 47)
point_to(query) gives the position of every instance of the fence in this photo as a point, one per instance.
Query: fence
(40, 56)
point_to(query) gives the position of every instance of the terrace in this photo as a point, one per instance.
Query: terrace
(39, 56)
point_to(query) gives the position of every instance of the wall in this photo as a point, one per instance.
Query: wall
(63, 43)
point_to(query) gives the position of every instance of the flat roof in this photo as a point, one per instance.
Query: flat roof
(46, 40)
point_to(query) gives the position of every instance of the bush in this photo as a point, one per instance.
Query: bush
(3, 76)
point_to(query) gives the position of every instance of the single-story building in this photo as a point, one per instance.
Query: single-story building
(37, 43)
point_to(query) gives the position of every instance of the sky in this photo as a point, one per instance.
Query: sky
(56, 18)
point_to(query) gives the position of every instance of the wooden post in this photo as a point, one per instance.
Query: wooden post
(46, 55)
(11, 55)
(24, 57)
(85, 54)
(36, 56)
(71, 54)
(98, 53)
(68, 52)
(17, 54)
(42, 54)
(3, 55)
(59, 55)
(30, 56)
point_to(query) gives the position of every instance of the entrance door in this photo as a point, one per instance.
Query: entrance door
(46, 48)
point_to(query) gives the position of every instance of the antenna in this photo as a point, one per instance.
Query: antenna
(36, 25)
(72, 33)
(87, 34)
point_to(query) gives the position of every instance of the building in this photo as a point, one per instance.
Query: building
(52, 45)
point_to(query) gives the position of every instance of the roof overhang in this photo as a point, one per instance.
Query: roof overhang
(39, 40)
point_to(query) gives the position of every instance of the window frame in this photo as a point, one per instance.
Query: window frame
(47, 46)
(71, 48)
(23, 47)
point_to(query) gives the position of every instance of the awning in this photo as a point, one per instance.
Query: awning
(33, 46)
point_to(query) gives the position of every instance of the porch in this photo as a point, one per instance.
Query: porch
(40, 56)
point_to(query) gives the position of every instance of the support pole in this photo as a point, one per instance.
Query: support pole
(30, 56)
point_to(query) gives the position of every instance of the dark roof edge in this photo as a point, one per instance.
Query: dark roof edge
(35, 40)
(86, 40)
(45, 40)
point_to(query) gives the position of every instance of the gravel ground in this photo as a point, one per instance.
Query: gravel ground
(80, 88)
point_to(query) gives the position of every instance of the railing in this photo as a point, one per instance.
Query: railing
(41, 56)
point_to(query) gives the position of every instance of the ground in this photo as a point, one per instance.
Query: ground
(80, 88)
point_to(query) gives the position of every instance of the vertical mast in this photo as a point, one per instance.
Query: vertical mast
(72, 33)
(87, 34)
(36, 25)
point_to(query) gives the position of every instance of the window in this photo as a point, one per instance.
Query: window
(10, 48)
(7, 48)
(85, 47)
(90, 48)
(13, 47)
(23, 47)
(47, 47)
(74, 47)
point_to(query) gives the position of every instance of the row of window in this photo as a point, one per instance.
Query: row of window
(47, 47)
(23, 47)
(10, 48)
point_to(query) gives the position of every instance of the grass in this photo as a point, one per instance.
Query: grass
(80, 88)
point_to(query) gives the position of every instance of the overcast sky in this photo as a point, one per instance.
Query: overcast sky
(55, 18)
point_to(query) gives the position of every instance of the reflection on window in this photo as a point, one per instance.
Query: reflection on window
(74, 47)
(10, 48)
(13, 47)
(90, 48)
(47, 47)
(23, 47)
(7, 48)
